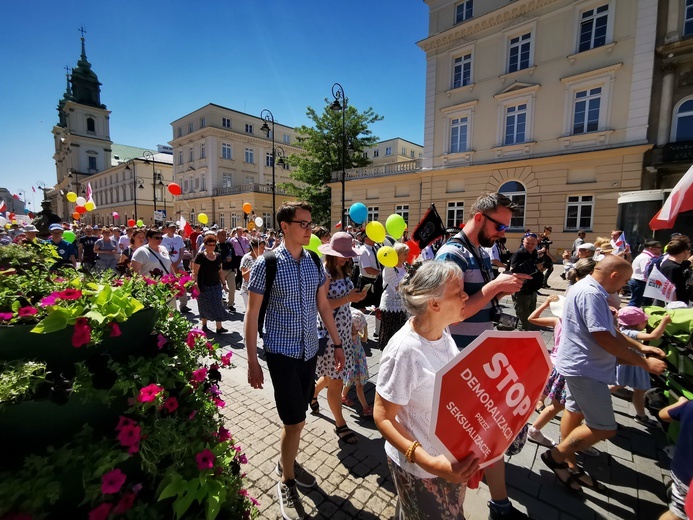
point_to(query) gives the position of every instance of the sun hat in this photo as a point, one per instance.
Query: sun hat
(557, 307)
(30, 229)
(55, 227)
(340, 245)
(629, 316)
(588, 245)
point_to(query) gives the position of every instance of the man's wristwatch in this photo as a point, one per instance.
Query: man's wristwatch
(337, 346)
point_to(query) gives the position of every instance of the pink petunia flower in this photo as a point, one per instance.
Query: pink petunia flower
(243, 459)
(171, 404)
(101, 512)
(112, 481)
(199, 375)
(192, 336)
(115, 330)
(214, 390)
(192, 415)
(49, 300)
(205, 459)
(124, 422)
(6, 316)
(125, 503)
(82, 334)
(149, 281)
(194, 293)
(245, 493)
(226, 359)
(130, 435)
(224, 434)
(218, 402)
(27, 312)
(70, 294)
(161, 340)
(149, 393)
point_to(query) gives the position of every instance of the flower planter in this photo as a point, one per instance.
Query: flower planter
(18, 342)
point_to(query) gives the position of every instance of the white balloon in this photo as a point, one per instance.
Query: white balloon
(81, 201)
(259, 222)
(3, 221)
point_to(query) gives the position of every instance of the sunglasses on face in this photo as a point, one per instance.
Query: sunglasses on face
(499, 226)
(531, 235)
(210, 243)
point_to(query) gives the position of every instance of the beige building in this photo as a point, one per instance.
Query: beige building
(544, 100)
(393, 151)
(223, 159)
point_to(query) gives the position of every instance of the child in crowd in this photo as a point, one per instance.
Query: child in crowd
(359, 333)
(257, 248)
(681, 466)
(632, 322)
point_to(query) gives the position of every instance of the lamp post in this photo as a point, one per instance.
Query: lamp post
(137, 182)
(70, 171)
(340, 104)
(268, 117)
(42, 186)
(149, 158)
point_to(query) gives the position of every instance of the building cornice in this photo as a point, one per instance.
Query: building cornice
(494, 19)
(592, 73)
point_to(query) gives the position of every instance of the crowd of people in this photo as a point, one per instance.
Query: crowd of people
(310, 313)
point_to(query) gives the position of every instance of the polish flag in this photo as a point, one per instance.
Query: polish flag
(620, 241)
(3, 206)
(89, 192)
(183, 224)
(338, 225)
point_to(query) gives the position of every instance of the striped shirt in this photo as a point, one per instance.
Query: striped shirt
(468, 330)
(290, 323)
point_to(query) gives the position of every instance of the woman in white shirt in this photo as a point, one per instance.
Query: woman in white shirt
(392, 312)
(428, 484)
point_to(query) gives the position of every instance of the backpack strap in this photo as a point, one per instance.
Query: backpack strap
(270, 275)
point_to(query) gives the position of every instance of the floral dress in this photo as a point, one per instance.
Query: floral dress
(342, 318)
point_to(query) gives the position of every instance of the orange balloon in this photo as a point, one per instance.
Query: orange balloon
(76, 216)
(247, 208)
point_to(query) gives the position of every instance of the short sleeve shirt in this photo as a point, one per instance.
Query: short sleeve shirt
(149, 259)
(368, 259)
(579, 354)
(406, 378)
(290, 322)
(246, 263)
(681, 463)
(174, 245)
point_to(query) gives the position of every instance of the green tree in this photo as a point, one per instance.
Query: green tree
(321, 158)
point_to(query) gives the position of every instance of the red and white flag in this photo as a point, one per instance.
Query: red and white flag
(679, 200)
(89, 192)
(659, 287)
(3, 206)
(183, 224)
(620, 241)
(338, 225)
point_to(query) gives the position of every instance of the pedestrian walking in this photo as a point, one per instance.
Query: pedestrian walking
(393, 315)
(210, 282)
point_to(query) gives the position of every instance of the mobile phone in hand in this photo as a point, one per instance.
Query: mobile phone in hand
(366, 287)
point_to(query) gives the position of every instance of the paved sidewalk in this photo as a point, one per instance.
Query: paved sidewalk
(354, 482)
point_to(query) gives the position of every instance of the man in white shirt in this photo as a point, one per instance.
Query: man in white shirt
(175, 245)
(124, 240)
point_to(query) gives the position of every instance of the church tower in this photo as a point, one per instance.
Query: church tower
(82, 134)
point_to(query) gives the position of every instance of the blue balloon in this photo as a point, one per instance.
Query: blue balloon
(358, 212)
(26, 210)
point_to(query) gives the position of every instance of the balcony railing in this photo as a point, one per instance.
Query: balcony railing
(681, 151)
(232, 190)
(378, 171)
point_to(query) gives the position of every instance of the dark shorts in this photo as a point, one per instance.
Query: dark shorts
(294, 382)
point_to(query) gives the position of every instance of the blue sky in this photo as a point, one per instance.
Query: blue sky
(159, 60)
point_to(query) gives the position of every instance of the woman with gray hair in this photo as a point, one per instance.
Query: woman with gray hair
(428, 484)
(392, 312)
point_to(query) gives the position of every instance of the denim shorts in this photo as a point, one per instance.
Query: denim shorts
(592, 399)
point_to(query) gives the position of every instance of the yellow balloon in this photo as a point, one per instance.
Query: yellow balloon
(203, 218)
(71, 196)
(251, 225)
(375, 231)
(388, 256)
(90, 206)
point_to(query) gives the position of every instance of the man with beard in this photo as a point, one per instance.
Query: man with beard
(491, 214)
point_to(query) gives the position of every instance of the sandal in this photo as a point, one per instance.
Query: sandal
(555, 467)
(346, 435)
(347, 402)
(314, 405)
(367, 412)
(582, 478)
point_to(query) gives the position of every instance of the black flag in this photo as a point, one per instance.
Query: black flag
(429, 228)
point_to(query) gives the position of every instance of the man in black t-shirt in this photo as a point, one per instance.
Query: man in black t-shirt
(526, 261)
(87, 257)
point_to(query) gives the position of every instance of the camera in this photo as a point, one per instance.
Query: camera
(503, 320)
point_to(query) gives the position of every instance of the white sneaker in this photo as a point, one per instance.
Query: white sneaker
(290, 502)
(537, 437)
(301, 476)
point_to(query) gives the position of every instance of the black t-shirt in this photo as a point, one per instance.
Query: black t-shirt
(677, 274)
(525, 262)
(225, 250)
(87, 244)
(208, 274)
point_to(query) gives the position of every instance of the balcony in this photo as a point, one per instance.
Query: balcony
(250, 188)
(382, 170)
(681, 151)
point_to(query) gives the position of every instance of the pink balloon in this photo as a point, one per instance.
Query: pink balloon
(115, 214)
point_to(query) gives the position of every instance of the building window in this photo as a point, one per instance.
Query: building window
(515, 124)
(226, 122)
(268, 220)
(249, 179)
(226, 180)
(202, 151)
(191, 128)
(203, 122)
(459, 134)
(203, 184)
(464, 11)
(404, 151)
(373, 212)
(249, 155)
(683, 122)
(180, 131)
(388, 150)
(593, 28)
(180, 157)
(462, 71)
(586, 108)
(190, 155)
(192, 216)
(403, 211)
(197, 183)
(185, 186)
(286, 138)
(455, 214)
(516, 192)
(268, 159)
(234, 221)
(91, 127)
(579, 211)
(688, 18)
(376, 153)
(520, 52)
(226, 150)
(92, 163)
(248, 128)
(222, 220)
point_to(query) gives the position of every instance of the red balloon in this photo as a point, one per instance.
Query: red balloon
(414, 251)
(131, 222)
(174, 189)
(80, 209)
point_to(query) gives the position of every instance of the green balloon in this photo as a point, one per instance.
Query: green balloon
(140, 223)
(69, 236)
(313, 245)
(395, 226)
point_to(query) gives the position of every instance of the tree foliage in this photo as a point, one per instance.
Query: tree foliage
(322, 152)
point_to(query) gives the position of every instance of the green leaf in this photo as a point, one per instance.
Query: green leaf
(57, 319)
(182, 503)
(96, 316)
(212, 507)
(173, 489)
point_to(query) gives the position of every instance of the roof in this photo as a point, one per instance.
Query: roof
(121, 153)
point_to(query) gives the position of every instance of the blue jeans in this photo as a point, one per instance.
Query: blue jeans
(637, 289)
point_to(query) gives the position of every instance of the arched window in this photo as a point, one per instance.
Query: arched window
(91, 127)
(516, 192)
(683, 122)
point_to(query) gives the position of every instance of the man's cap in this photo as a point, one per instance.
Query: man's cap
(30, 229)
(170, 224)
(653, 243)
(588, 245)
(55, 227)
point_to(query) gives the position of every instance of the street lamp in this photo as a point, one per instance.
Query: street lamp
(70, 171)
(149, 157)
(137, 182)
(269, 118)
(340, 104)
(42, 186)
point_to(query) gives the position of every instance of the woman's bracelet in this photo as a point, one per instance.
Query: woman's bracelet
(410, 451)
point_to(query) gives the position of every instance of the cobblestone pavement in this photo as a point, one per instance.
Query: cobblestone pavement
(354, 482)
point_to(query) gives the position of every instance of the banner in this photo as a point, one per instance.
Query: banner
(659, 287)
(429, 228)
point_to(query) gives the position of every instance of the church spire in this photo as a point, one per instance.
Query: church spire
(86, 88)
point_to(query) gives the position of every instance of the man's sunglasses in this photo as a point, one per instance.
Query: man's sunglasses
(499, 226)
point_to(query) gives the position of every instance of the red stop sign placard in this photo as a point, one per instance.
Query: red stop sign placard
(484, 396)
